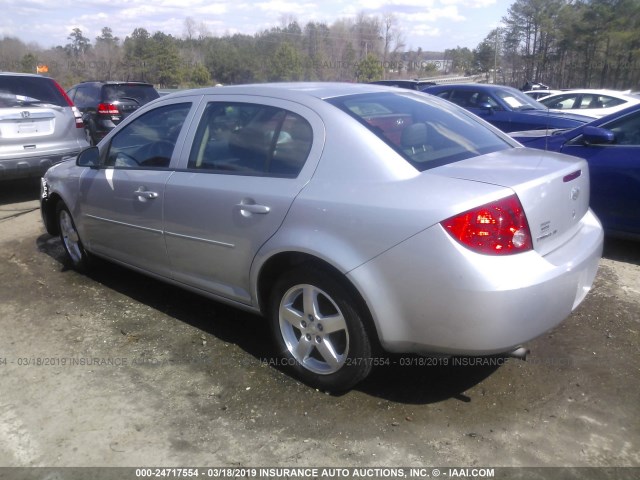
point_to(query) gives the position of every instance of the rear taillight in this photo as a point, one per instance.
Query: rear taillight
(76, 112)
(107, 109)
(78, 117)
(497, 228)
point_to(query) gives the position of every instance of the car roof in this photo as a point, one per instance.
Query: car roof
(598, 91)
(461, 86)
(620, 113)
(402, 80)
(15, 74)
(292, 90)
(117, 82)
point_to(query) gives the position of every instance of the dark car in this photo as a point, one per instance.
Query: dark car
(410, 84)
(507, 108)
(105, 104)
(611, 146)
(39, 126)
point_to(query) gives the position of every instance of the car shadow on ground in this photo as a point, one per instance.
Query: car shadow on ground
(18, 191)
(408, 379)
(622, 250)
(411, 379)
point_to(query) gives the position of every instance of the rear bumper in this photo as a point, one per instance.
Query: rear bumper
(15, 168)
(431, 295)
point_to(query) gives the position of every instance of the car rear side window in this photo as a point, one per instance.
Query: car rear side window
(251, 139)
(86, 96)
(427, 132)
(149, 140)
(25, 90)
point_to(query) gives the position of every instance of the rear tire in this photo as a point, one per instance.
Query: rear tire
(318, 330)
(71, 239)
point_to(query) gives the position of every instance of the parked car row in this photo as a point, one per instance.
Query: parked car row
(507, 108)
(41, 124)
(105, 104)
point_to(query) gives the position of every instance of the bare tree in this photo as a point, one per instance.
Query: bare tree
(190, 29)
(368, 34)
(393, 42)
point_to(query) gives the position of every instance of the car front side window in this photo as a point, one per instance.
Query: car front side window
(626, 130)
(481, 100)
(251, 139)
(149, 140)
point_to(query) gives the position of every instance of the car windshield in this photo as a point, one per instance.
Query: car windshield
(18, 91)
(140, 94)
(517, 100)
(426, 131)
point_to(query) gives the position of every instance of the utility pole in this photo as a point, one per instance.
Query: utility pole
(495, 58)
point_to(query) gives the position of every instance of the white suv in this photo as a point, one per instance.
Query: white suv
(39, 126)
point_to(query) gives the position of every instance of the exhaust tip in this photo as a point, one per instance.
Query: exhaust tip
(520, 353)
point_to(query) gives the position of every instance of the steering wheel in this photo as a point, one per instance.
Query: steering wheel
(161, 148)
(158, 154)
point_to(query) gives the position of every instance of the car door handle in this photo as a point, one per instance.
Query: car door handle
(253, 208)
(146, 194)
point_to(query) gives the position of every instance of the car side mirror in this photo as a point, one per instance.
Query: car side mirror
(598, 136)
(89, 157)
(485, 108)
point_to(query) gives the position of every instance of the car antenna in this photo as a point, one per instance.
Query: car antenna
(546, 137)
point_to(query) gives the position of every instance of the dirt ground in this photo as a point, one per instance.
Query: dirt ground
(116, 369)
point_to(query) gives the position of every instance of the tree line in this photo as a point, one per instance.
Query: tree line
(566, 44)
(562, 43)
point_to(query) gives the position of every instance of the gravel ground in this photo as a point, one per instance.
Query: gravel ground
(116, 369)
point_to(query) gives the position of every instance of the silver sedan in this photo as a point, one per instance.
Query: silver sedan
(353, 217)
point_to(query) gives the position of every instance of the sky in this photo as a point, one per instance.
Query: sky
(433, 25)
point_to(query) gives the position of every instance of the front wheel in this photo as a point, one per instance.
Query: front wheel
(319, 330)
(71, 239)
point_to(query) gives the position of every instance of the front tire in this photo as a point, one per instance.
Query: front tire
(71, 239)
(319, 330)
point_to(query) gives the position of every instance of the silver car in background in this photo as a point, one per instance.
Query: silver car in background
(39, 126)
(352, 217)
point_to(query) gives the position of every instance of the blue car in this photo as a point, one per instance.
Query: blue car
(506, 108)
(611, 146)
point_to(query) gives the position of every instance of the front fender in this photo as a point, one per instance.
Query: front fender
(59, 183)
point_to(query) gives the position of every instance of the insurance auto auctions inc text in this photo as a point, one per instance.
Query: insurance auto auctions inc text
(371, 472)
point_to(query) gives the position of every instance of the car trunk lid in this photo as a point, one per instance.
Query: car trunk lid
(27, 127)
(553, 189)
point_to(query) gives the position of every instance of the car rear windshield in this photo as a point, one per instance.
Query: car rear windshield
(140, 94)
(427, 132)
(24, 90)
